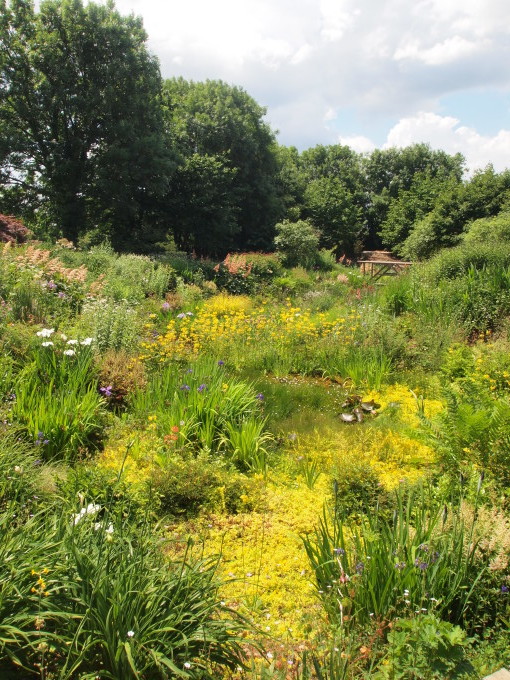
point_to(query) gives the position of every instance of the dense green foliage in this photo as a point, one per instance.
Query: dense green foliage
(95, 147)
(260, 466)
(81, 124)
(152, 418)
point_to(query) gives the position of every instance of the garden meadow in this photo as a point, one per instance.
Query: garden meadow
(251, 470)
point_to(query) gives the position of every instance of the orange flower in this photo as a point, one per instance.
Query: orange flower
(175, 428)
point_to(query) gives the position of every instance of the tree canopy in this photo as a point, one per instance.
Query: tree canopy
(80, 122)
(94, 144)
(222, 123)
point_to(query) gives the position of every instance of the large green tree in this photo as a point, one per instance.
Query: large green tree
(80, 119)
(455, 207)
(224, 124)
(390, 173)
(335, 198)
(333, 210)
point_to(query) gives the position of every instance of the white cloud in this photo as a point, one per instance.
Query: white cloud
(330, 114)
(302, 54)
(337, 18)
(443, 52)
(359, 143)
(477, 17)
(379, 59)
(445, 132)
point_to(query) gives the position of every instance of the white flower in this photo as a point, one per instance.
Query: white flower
(45, 333)
(109, 529)
(87, 341)
(91, 509)
(187, 664)
(69, 352)
(72, 342)
(130, 633)
(63, 337)
(46, 344)
(18, 469)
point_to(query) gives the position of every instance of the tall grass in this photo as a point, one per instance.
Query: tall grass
(62, 423)
(87, 595)
(385, 568)
(58, 404)
(207, 409)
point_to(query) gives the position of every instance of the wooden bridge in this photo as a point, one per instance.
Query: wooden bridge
(381, 263)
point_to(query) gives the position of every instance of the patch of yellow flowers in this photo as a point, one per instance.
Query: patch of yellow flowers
(222, 323)
(263, 561)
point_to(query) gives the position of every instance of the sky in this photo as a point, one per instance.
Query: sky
(366, 73)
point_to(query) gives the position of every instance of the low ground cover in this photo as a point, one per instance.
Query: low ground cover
(270, 485)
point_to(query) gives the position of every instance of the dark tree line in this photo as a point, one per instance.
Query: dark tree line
(94, 146)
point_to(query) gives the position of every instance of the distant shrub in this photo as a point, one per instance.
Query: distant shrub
(114, 324)
(135, 277)
(488, 229)
(467, 286)
(264, 266)
(454, 262)
(100, 258)
(297, 243)
(325, 260)
(234, 274)
(189, 269)
(12, 230)
(26, 300)
(189, 294)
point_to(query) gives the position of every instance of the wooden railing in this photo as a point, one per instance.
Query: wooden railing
(379, 268)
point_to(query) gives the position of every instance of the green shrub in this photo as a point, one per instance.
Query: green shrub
(135, 277)
(425, 648)
(190, 294)
(488, 230)
(190, 269)
(100, 258)
(187, 486)
(467, 286)
(264, 266)
(325, 260)
(234, 275)
(114, 325)
(454, 262)
(297, 243)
